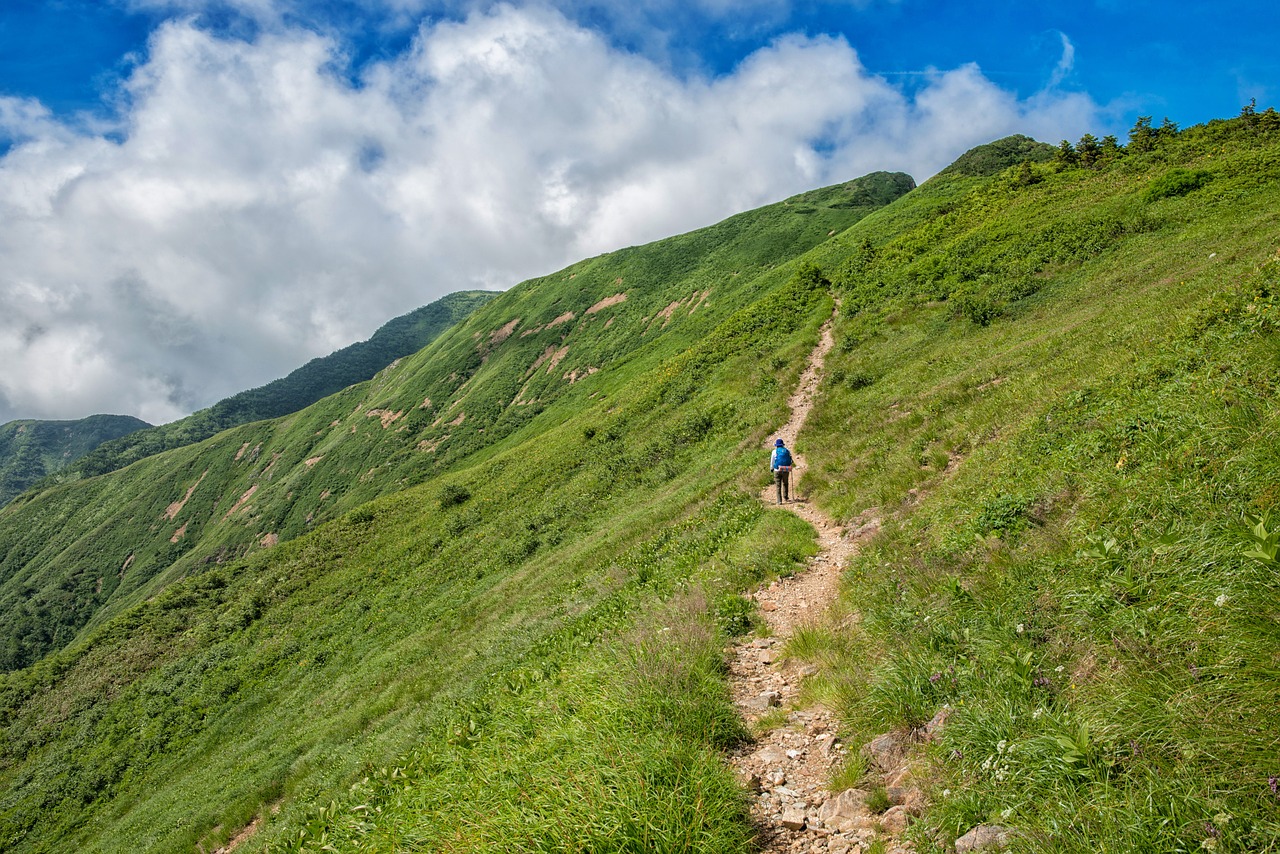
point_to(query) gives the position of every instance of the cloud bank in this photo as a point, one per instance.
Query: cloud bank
(256, 206)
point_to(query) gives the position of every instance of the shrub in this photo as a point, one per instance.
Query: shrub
(452, 495)
(1175, 182)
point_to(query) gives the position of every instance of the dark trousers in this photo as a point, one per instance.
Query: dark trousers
(783, 480)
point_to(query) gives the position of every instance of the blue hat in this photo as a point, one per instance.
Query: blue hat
(777, 443)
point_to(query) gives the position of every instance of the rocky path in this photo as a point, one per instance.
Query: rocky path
(789, 764)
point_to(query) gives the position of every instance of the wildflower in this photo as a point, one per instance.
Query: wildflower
(934, 678)
(946, 793)
(1221, 600)
(1209, 844)
(1274, 782)
(1211, 829)
(1021, 628)
(1059, 669)
(1006, 812)
(1001, 745)
(1035, 716)
(1222, 818)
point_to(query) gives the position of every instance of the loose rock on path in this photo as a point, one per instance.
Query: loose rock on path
(788, 767)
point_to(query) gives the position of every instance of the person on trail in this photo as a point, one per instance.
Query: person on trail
(780, 464)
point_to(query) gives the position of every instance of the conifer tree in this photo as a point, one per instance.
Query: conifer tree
(1142, 137)
(1066, 155)
(1088, 151)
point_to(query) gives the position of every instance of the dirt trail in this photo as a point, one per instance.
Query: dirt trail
(788, 767)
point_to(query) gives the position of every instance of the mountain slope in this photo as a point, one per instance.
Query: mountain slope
(580, 451)
(317, 379)
(1056, 386)
(31, 450)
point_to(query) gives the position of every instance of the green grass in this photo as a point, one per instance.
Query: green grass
(1057, 386)
(1065, 482)
(523, 557)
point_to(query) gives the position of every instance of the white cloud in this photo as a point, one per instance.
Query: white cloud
(255, 208)
(1066, 62)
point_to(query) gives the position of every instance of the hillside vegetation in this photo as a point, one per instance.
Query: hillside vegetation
(480, 603)
(258, 623)
(315, 380)
(31, 450)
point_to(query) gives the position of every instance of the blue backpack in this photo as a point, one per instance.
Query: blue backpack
(781, 458)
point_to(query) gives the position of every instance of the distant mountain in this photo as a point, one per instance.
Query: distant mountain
(32, 450)
(317, 379)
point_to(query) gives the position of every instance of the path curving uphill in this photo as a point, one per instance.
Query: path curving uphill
(787, 768)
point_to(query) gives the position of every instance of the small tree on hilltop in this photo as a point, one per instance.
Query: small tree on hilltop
(1142, 136)
(1111, 150)
(1026, 175)
(1088, 151)
(1066, 155)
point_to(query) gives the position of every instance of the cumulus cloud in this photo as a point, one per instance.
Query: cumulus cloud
(256, 207)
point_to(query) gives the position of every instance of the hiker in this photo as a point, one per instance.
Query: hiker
(780, 464)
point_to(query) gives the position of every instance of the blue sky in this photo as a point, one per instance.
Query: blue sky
(1190, 61)
(197, 196)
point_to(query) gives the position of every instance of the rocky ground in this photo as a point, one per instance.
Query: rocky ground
(789, 765)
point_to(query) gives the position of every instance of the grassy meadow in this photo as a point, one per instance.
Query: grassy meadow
(518, 557)
(1077, 458)
(480, 602)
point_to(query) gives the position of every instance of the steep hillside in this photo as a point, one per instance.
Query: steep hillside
(315, 380)
(1059, 391)
(480, 603)
(73, 555)
(31, 450)
(574, 445)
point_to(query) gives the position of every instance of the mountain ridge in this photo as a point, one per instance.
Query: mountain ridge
(1053, 386)
(31, 449)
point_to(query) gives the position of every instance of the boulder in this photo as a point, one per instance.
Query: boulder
(984, 837)
(886, 751)
(895, 820)
(843, 811)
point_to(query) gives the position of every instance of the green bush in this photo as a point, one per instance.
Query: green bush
(1175, 182)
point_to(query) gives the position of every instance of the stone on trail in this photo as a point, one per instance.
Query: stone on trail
(885, 751)
(843, 811)
(793, 818)
(984, 837)
(895, 820)
(771, 755)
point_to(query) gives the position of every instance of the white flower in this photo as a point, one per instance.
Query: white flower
(1059, 669)
(1001, 745)
(1005, 813)
(1221, 600)
(1035, 716)
(1021, 628)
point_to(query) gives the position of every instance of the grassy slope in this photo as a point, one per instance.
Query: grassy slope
(317, 379)
(73, 556)
(423, 618)
(1066, 559)
(1060, 393)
